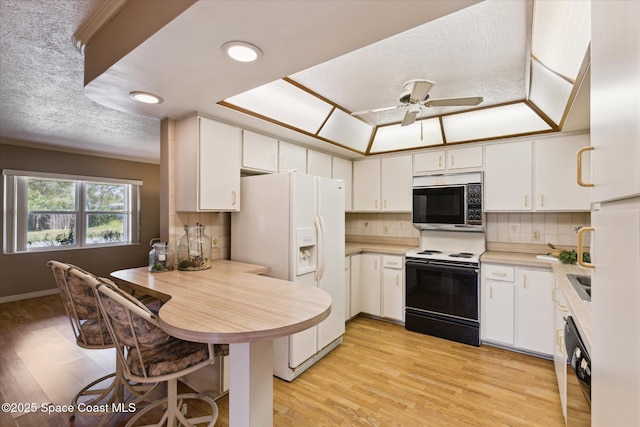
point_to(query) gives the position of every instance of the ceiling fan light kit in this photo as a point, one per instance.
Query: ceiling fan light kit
(416, 95)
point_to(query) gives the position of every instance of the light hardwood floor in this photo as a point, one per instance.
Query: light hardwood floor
(382, 375)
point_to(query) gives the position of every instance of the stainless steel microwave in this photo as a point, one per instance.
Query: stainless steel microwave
(451, 202)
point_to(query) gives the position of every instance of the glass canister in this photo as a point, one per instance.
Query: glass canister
(194, 249)
(160, 257)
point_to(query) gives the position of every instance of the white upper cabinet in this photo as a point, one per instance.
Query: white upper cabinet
(366, 185)
(292, 157)
(555, 184)
(463, 158)
(507, 176)
(318, 164)
(259, 152)
(430, 161)
(343, 169)
(208, 165)
(382, 184)
(396, 183)
(450, 159)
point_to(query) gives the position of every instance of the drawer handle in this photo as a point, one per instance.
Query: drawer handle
(499, 274)
(233, 198)
(392, 263)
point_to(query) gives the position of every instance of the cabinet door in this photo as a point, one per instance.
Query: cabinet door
(343, 169)
(461, 158)
(259, 152)
(347, 288)
(615, 85)
(615, 317)
(292, 157)
(397, 180)
(366, 185)
(559, 351)
(392, 291)
(431, 161)
(219, 168)
(318, 164)
(555, 174)
(371, 284)
(507, 177)
(356, 285)
(498, 311)
(535, 311)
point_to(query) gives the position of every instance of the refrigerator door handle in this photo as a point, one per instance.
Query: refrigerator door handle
(321, 248)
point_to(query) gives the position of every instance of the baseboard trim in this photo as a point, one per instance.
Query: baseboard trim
(29, 295)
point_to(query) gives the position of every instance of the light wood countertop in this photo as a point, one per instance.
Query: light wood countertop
(230, 302)
(580, 310)
(351, 248)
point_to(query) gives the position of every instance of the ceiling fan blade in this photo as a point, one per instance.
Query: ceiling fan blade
(419, 89)
(376, 110)
(409, 117)
(454, 102)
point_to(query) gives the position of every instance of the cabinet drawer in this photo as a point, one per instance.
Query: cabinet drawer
(498, 272)
(389, 261)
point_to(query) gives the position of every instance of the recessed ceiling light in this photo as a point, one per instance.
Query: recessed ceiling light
(242, 51)
(145, 97)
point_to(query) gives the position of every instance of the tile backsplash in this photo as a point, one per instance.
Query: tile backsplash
(558, 228)
(380, 224)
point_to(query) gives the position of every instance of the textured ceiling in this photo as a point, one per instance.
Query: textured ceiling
(477, 51)
(42, 98)
(480, 50)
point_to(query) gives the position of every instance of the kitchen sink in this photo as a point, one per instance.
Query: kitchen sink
(582, 285)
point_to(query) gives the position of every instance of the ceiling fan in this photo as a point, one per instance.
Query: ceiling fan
(416, 96)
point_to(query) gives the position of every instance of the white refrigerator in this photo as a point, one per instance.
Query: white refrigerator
(294, 224)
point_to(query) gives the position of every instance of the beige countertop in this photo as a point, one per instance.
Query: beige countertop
(230, 302)
(579, 310)
(351, 248)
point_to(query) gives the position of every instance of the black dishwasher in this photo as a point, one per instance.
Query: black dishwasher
(578, 377)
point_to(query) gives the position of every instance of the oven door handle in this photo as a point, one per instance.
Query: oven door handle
(441, 267)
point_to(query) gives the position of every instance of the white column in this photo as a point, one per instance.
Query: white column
(251, 384)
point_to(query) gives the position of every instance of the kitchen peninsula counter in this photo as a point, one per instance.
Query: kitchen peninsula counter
(580, 310)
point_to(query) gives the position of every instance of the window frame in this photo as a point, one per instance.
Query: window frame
(16, 211)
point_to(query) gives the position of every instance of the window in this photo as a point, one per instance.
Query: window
(51, 212)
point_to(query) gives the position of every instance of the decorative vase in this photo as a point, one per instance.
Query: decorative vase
(194, 249)
(160, 257)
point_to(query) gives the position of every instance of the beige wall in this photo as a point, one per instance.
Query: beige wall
(28, 273)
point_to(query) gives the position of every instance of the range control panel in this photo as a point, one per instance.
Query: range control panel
(474, 204)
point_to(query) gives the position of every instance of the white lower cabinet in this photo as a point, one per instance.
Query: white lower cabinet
(498, 309)
(347, 288)
(371, 284)
(559, 350)
(392, 287)
(355, 282)
(534, 311)
(377, 286)
(518, 308)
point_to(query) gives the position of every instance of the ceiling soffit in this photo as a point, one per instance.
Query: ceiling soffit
(478, 51)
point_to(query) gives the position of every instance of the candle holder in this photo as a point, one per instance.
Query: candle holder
(160, 257)
(194, 249)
